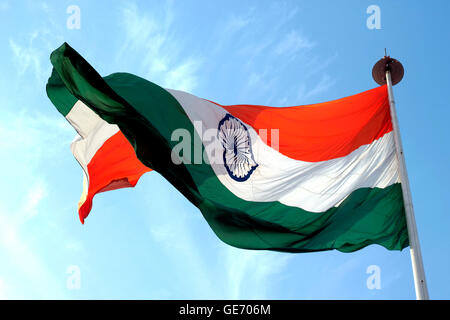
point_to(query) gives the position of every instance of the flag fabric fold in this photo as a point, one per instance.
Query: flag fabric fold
(296, 179)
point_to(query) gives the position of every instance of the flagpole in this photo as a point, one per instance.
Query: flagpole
(390, 71)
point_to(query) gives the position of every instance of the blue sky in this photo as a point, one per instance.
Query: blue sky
(151, 243)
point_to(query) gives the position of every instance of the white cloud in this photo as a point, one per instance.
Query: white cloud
(27, 138)
(76, 246)
(27, 57)
(244, 274)
(323, 85)
(4, 6)
(150, 38)
(292, 43)
(31, 50)
(45, 7)
(235, 23)
(34, 196)
(29, 141)
(211, 270)
(251, 273)
(183, 76)
(22, 257)
(268, 52)
(31, 54)
(180, 245)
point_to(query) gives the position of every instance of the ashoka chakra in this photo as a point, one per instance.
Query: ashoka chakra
(237, 154)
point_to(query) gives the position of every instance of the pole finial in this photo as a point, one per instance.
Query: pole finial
(385, 64)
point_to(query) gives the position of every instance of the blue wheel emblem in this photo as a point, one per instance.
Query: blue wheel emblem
(237, 154)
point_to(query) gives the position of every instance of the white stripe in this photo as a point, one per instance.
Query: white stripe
(313, 186)
(93, 133)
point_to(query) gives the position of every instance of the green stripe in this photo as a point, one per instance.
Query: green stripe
(147, 115)
(60, 96)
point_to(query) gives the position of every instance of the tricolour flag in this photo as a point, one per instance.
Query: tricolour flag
(297, 179)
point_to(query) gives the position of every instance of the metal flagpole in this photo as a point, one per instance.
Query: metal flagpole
(390, 71)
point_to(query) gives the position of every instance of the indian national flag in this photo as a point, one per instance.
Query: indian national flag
(298, 179)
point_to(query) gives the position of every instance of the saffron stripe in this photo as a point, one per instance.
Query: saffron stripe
(322, 131)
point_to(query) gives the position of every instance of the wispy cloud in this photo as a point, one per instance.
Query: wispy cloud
(4, 6)
(33, 197)
(244, 274)
(76, 246)
(251, 273)
(181, 247)
(27, 57)
(211, 269)
(235, 23)
(22, 257)
(150, 37)
(292, 43)
(182, 76)
(30, 50)
(34, 136)
(322, 86)
(268, 52)
(28, 141)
